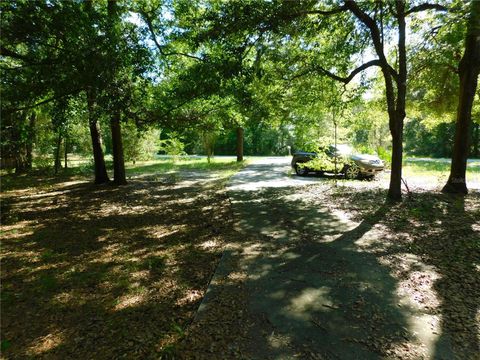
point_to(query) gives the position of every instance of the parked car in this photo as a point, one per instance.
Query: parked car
(351, 165)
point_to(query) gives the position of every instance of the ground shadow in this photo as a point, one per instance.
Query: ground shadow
(313, 290)
(318, 289)
(450, 242)
(106, 272)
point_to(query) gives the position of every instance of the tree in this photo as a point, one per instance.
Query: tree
(468, 71)
(380, 21)
(239, 144)
(395, 79)
(112, 31)
(50, 52)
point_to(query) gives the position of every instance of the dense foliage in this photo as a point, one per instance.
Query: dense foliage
(77, 76)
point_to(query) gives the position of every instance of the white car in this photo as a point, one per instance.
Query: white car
(351, 165)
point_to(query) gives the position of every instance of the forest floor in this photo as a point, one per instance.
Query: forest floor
(104, 272)
(119, 272)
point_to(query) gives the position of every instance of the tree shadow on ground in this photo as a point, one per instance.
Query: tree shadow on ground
(448, 239)
(311, 291)
(441, 234)
(318, 289)
(102, 272)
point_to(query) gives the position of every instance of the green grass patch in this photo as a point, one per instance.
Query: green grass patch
(437, 170)
(5, 344)
(45, 178)
(162, 166)
(47, 283)
(155, 264)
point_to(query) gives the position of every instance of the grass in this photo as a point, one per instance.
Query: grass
(168, 165)
(161, 168)
(437, 166)
(434, 172)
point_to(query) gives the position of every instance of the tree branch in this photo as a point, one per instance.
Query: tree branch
(426, 6)
(333, 76)
(321, 12)
(349, 78)
(42, 102)
(375, 35)
(148, 21)
(7, 52)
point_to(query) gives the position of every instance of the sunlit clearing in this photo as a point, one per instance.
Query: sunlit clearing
(373, 236)
(278, 341)
(237, 276)
(140, 275)
(209, 244)
(417, 299)
(63, 298)
(190, 296)
(45, 343)
(128, 301)
(19, 229)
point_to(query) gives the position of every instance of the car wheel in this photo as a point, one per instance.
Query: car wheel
(351, 171)
(301, 170)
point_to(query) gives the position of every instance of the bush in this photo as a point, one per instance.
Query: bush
(173, 146)
(385, 155)
(140, 145)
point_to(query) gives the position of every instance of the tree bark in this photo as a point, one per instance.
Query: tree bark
(101, 176)
(476, 141)
(395, 188)
(240, 133)
(397, 115)
(393, 81)
(119, 177)
(65, 151)
(31, 140)
(469, 68)
(18, 142)
(58, 165)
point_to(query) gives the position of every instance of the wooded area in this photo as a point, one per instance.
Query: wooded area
(196, 75)
(151, 207)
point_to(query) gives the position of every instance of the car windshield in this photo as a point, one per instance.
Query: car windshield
(342, 149)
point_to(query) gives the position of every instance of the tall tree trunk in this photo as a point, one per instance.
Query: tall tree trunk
(20, 160)
(240, 133)
(476, 141)
(101, 175)
(58, 165)
(469, 68)
(115, 127)
(31, 140)
(395, 122)
(117, 144)
(393, 81)
(65, 151)
(20, 151)
(397, 115)
(395, 188)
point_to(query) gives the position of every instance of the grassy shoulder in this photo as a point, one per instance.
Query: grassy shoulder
(104, 272)
(431, 169)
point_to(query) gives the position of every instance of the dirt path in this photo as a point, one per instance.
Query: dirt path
(301, 283)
